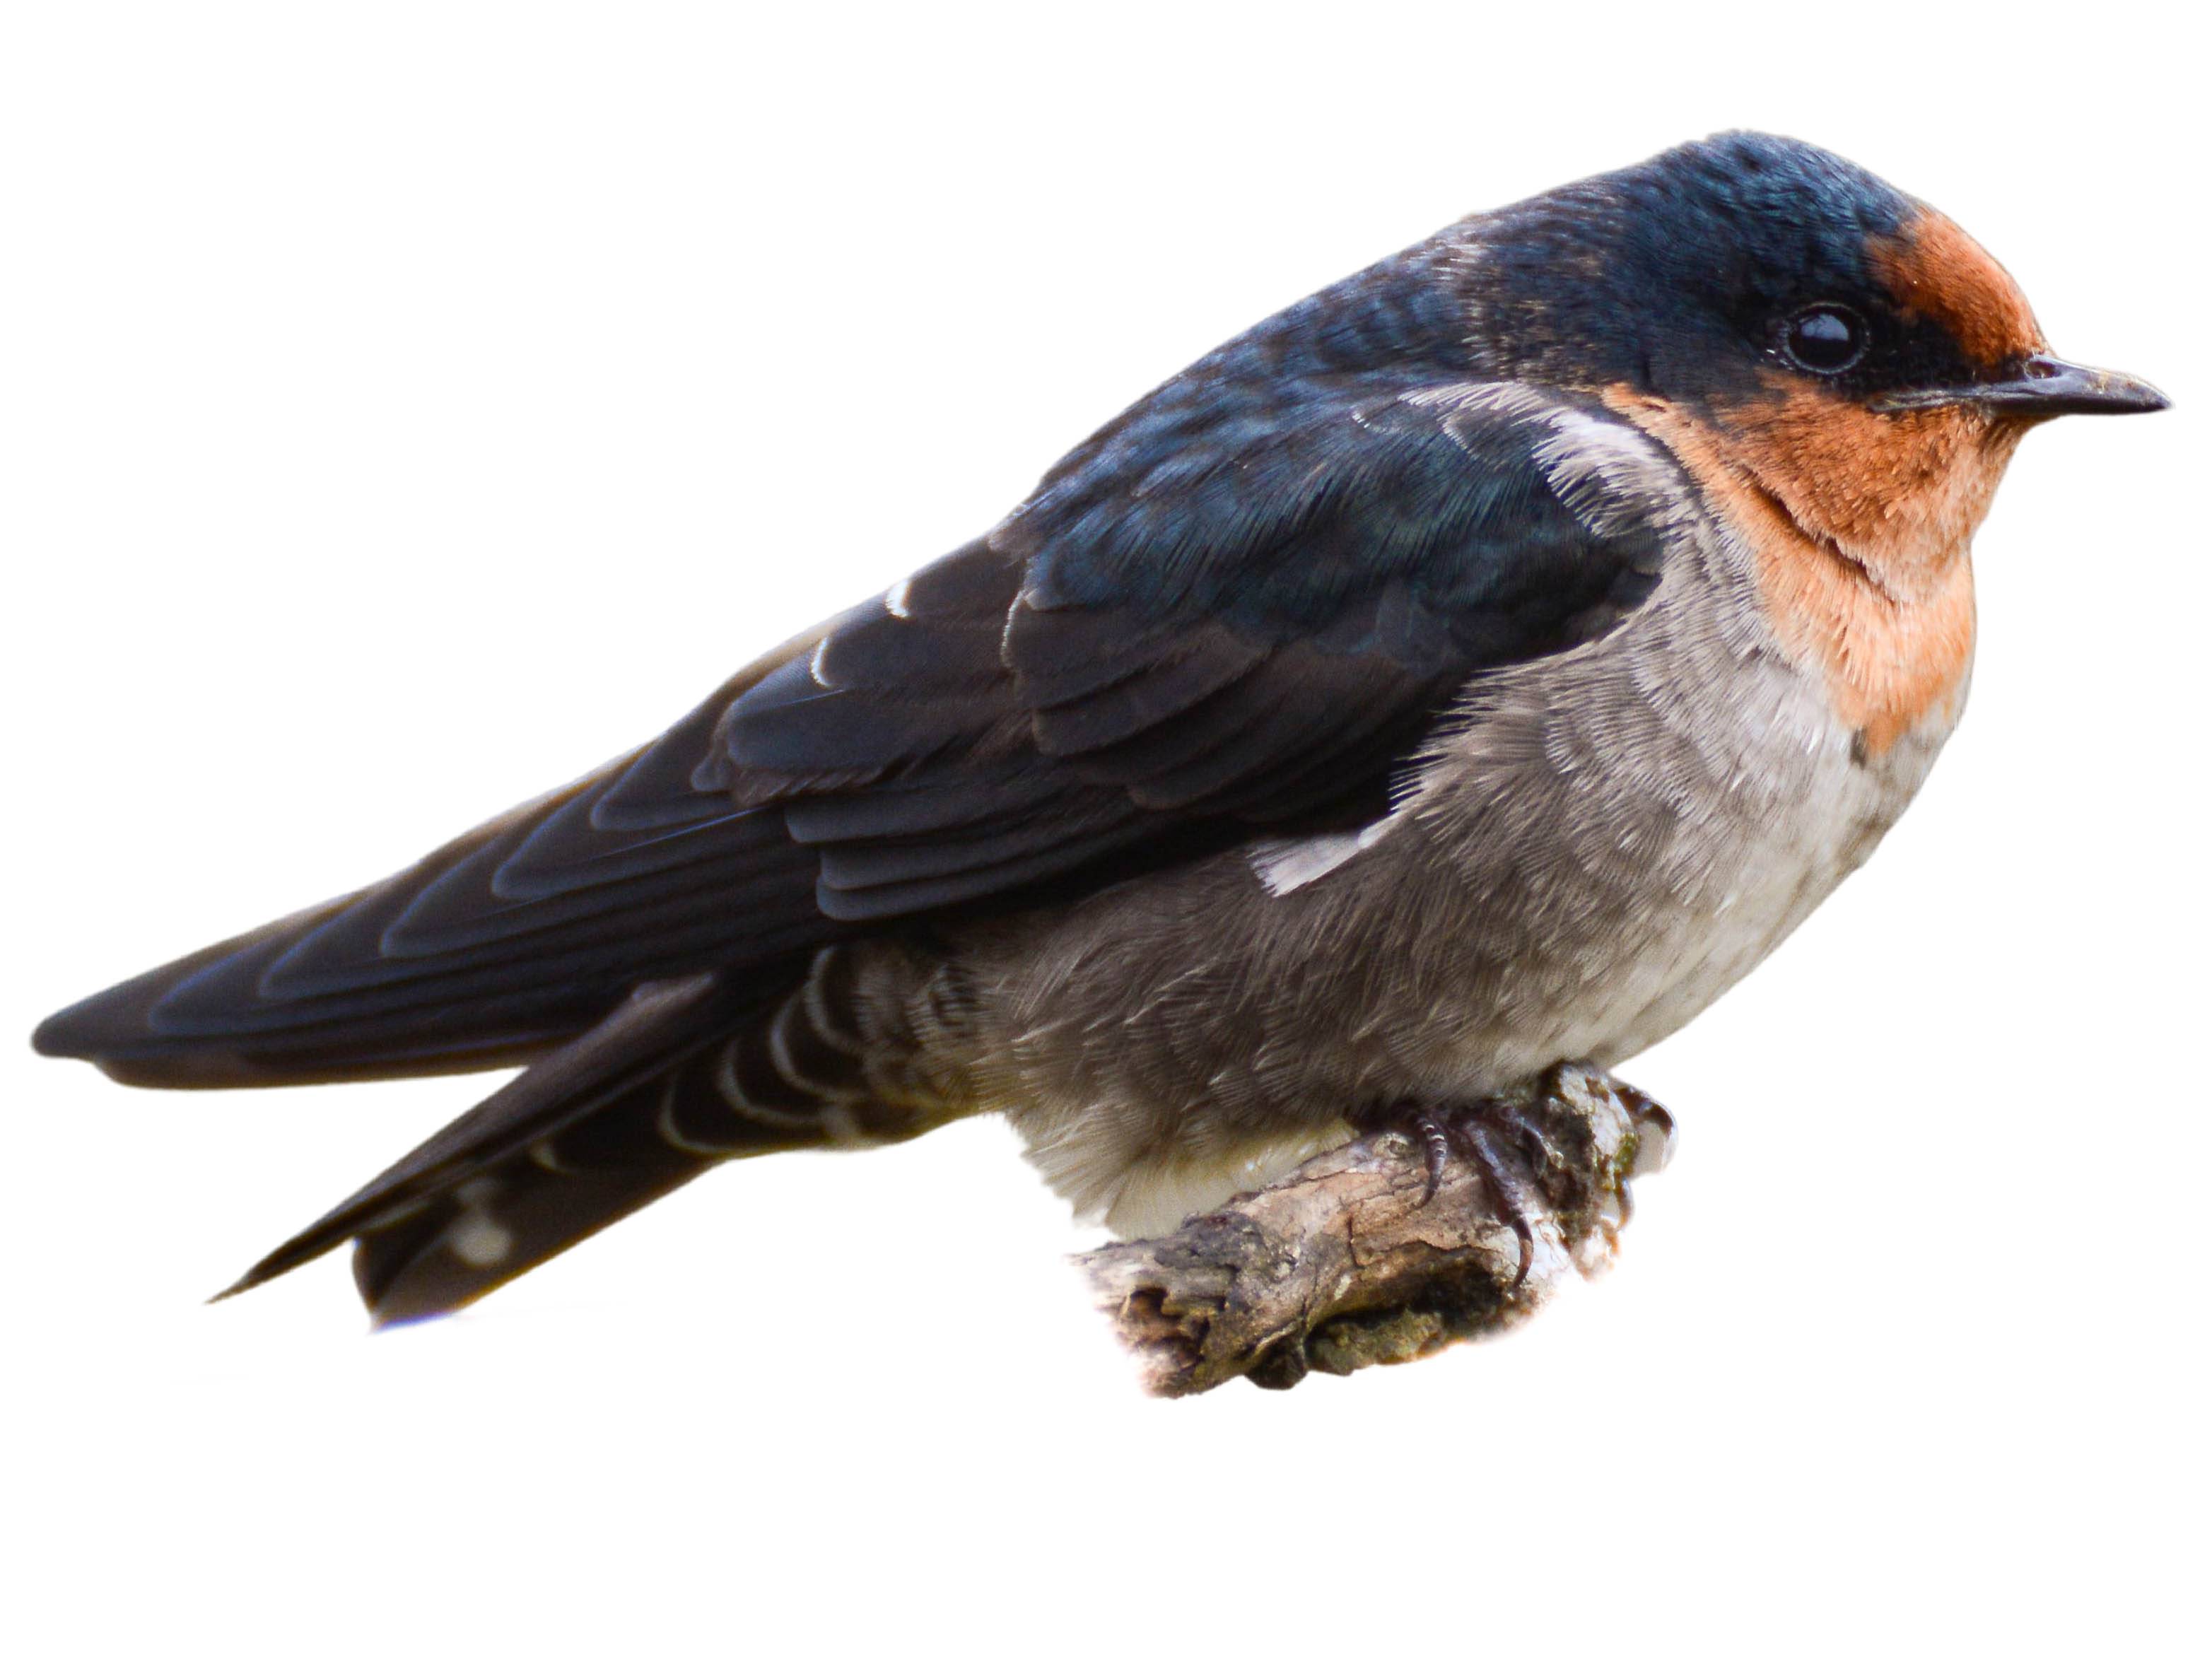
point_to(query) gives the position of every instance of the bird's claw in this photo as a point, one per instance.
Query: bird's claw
(1654, 1125)
(1473, 1132)
(1488, 1133)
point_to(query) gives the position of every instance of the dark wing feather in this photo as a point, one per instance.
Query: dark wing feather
(1242, 606)
(508, 940)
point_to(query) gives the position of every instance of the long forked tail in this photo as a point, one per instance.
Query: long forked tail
(685, 1074)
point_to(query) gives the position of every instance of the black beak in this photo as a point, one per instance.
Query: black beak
(2043, 387)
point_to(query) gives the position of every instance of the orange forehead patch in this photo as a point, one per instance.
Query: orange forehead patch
(1935, 269)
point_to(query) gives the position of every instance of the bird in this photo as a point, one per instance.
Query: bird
(1476, 667)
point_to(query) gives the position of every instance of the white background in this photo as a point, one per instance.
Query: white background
(407, 408)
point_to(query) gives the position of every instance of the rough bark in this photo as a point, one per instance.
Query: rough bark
(1347, 1262)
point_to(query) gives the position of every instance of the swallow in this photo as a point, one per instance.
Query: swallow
(1479, 666)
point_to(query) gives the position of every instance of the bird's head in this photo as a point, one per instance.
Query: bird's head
(1792, 323)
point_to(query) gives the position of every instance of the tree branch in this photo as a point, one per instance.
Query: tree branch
(1340, 1264)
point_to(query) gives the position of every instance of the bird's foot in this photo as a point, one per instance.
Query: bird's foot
(1527, 1145)
(1487, 1133)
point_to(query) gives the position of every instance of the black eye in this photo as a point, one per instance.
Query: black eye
(1825, 339)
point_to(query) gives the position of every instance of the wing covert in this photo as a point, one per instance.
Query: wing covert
(1209, 624)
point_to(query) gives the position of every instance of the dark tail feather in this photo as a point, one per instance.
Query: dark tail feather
(685, 1074)
(443, 1185)
(511, 1219)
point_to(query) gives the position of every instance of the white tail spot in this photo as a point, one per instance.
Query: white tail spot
(473, 1235)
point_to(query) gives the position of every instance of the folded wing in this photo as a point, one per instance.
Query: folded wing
(1237, 610)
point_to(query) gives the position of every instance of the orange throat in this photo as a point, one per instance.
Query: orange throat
(1858, 526)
